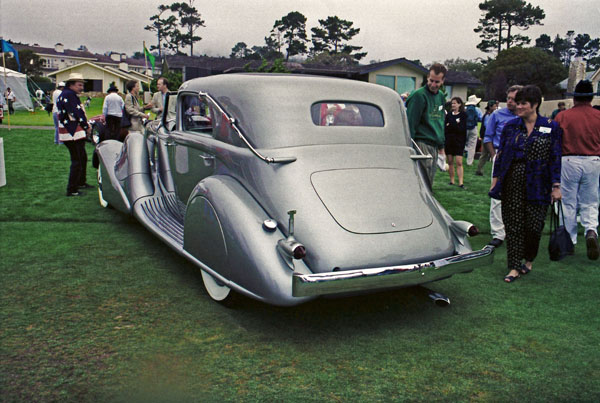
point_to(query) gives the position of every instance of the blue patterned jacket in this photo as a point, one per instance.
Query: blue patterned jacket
(541, 152)
(70, 112)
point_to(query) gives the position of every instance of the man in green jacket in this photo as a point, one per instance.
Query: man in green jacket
(426, 114)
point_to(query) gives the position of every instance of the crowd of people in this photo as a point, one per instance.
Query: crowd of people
(536, 160)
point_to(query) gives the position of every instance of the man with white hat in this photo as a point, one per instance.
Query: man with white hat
(72, 128)
(474, 115)
(59, 88)
(580, 168)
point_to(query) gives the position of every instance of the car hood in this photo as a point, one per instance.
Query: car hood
(372, 200)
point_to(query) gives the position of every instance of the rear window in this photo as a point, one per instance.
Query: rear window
(346, 114)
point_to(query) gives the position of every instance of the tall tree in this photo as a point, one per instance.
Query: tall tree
(31, 64)
(581, 45)
(519, 65)
(500, 17)
(162, 27)
(474, 67)
(190, 21)
(545, 43)
(270, 51)
(332, 36)
(292, 27)
(586, 47)
(240, 51)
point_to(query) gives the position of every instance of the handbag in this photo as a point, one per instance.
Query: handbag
(560, 244)
(125, 119)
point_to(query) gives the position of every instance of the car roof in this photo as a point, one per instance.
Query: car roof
(266, 105)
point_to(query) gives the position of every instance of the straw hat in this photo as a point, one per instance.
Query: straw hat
(473, 100)
(74, 77)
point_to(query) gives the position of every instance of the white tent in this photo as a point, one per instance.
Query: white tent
(17, 82)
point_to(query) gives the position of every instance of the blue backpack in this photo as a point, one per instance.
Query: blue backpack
(472, 117)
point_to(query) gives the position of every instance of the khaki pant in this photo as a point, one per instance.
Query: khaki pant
(430, 165)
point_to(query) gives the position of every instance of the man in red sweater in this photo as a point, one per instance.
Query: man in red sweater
(580, 171)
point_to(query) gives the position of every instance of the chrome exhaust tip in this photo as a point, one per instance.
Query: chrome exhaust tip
(439, 299)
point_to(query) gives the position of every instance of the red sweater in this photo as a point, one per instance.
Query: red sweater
(581, 130)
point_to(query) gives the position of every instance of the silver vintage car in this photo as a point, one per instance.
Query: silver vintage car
(286, 187)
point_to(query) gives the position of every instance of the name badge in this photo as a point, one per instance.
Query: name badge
(545, 130)
(441, 107)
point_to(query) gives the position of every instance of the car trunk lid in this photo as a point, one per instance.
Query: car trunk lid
(372, 200)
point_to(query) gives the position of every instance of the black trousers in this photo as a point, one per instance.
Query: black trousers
(113, 127)
(11, 108)
(523, 221)
(77, 173)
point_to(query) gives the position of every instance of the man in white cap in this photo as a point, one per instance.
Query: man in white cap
(59, 88)
(72, 128)
(580, 168)
(474, 115)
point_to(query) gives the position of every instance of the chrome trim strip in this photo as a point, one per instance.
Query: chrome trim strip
(268, 160)
(388, 277)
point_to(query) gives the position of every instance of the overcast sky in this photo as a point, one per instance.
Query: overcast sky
(428, 30)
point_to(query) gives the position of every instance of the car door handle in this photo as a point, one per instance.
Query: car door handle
(208, 159)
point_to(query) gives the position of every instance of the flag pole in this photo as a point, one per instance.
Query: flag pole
(145, 57)
(5, 86)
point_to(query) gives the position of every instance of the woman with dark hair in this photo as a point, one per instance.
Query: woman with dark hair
(133, 107)
(456, 137)
(526, 179)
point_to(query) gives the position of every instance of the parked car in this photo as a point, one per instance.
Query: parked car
(285, 188)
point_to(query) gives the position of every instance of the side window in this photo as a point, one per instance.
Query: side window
(196, 115)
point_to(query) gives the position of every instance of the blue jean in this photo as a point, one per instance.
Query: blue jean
(579, 187)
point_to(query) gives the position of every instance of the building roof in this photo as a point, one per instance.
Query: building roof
(461, 77)
(588, 76)
(378, 66)
(117, 72)
(79, 54)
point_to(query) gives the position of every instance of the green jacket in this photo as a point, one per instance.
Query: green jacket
(426, 115)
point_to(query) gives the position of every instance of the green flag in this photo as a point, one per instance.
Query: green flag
(150, 57)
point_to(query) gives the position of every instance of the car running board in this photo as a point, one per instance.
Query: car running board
(161, 215)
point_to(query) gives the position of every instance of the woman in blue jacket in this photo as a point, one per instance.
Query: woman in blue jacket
(526, 178)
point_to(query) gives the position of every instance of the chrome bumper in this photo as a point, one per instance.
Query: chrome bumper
(304, 285)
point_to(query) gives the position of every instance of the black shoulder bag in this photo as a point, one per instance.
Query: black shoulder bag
(126, 118)
(560, 244)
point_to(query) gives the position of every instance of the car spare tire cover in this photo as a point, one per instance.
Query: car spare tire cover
(373, 200)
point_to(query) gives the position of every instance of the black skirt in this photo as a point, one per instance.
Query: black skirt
(455, 143)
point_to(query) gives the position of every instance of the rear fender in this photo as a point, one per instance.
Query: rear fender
(224, 229)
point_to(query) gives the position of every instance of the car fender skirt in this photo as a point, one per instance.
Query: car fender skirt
(388, 277)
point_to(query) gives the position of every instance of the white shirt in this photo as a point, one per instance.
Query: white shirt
(113, 105)
(10, 96)
(55, 96)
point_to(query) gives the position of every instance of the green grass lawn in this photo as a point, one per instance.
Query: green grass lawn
(95, 308)
(41, 118)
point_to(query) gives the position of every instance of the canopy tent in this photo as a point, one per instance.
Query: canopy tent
(17, 82)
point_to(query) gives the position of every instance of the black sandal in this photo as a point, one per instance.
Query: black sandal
(524, 269)
(510, 279)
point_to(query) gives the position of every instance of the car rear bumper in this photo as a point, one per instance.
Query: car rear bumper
(304, 285)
